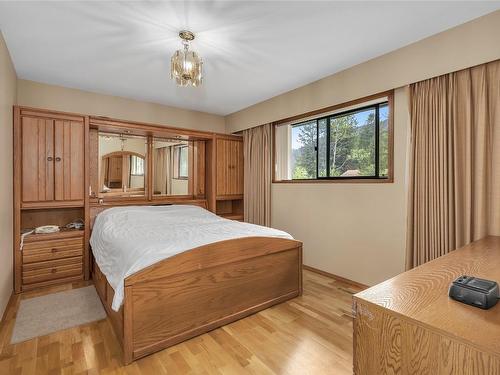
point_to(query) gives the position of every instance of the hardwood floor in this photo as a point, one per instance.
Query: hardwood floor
(311, 334)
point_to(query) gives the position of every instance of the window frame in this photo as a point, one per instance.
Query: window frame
(143, 166)
(179, 153)
(325, 113)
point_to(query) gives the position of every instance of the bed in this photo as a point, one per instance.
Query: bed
(168, 273)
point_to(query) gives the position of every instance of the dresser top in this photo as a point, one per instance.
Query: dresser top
(421, 295)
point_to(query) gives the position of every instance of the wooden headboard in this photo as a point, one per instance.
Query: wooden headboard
(96, 209)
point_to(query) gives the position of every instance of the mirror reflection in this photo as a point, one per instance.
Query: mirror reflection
(122, 165)
(172, 167)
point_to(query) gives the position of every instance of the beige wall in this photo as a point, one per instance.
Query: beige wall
(358, 230)
(469, 44)
(354, 230)
(41, 95)
(7, 100)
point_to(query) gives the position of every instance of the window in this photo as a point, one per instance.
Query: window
(136, 166)
(341, 145)
(182, 162)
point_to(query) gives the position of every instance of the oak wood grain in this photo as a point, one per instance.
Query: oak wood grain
(310, 334)
(17, 198)
(50, 176)
(229, 169)
(409, 325)
(52, 249)
(50, 216)
(37, 154)
(229, 175)
(146, 129)
(202, 289)
(52, 258)
(69, 160)
(212, 255)
(94, 162)
(207, 295)
(199, 168)
(86, 201)
(61, 173)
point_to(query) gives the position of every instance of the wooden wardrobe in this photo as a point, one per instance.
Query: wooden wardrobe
(50, 179)
(229, 176)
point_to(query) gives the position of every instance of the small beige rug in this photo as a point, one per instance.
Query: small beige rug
(40, 316)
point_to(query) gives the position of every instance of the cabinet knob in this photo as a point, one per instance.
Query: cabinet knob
(49, 158)
(58, 158)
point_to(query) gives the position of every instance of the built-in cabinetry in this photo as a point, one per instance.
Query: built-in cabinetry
(229, 176)
(68, 164)
(52, 160)
(52, 258)
(49, 189)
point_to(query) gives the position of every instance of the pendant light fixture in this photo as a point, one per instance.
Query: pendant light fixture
(186, 65)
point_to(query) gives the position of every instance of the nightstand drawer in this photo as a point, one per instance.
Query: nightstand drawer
(28, 267)
(52, 250)
(45, 271)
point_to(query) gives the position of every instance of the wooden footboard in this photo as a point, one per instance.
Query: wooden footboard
(202, 289)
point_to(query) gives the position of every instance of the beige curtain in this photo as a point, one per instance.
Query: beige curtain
(162, 170)
(454, 185)
(283, 152)
(257, 149)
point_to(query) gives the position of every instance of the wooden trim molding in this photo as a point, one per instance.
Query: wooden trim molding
(347, 180)
(50, 114)
(86, 254)
(338, 181)
(335, 277)
(146, 129)
(17, 199)
(318, 112)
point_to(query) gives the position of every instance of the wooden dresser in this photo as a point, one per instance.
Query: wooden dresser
(409, 325)
(52, 258)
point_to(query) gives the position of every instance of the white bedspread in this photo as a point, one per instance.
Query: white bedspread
(126, 240)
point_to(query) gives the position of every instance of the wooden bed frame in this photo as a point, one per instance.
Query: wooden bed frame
(201, 289)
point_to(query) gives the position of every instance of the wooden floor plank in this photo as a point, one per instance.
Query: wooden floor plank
(311, 334)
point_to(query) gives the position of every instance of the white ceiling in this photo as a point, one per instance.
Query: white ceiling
(252, 50)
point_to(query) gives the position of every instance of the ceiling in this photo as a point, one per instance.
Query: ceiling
(252, 50)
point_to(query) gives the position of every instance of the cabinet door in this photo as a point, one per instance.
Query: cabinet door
(69, 160)
(37, 155)
(229, 167)
(236, 168)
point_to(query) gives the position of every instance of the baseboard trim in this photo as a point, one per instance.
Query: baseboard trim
(335, 277)
(7, 309)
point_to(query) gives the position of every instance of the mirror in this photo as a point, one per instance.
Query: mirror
(122, 165)
(172, 167)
